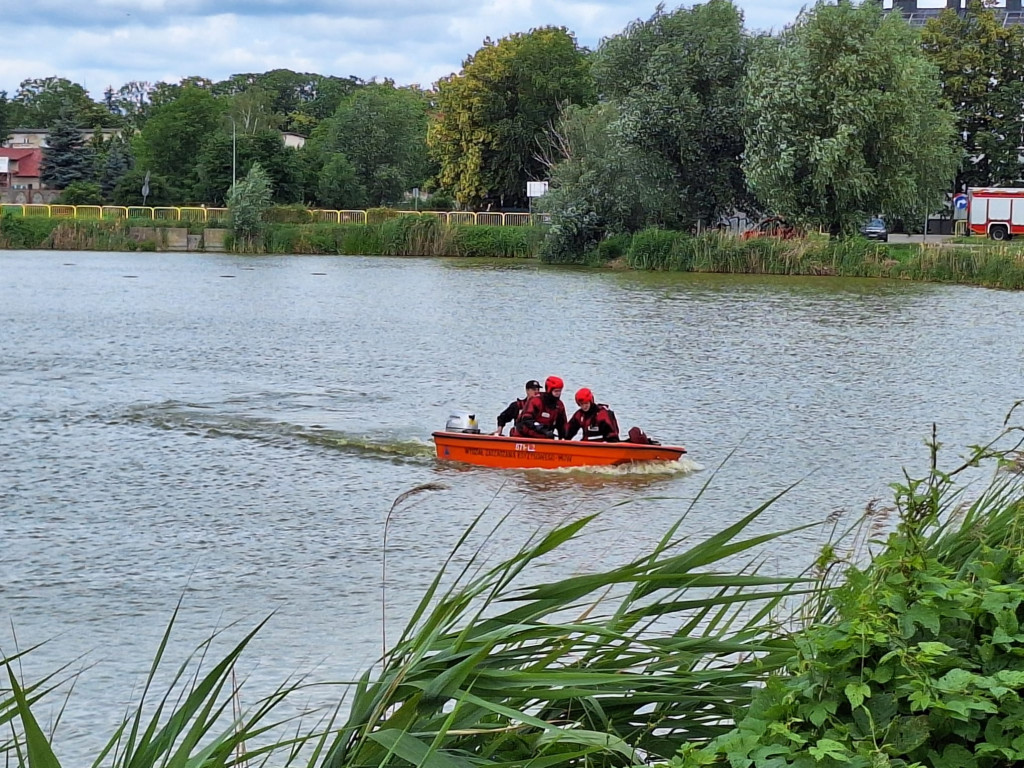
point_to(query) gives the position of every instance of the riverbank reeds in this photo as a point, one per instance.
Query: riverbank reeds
(985, 265)
(404, 236)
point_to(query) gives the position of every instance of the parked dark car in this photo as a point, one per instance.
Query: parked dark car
(875, 230)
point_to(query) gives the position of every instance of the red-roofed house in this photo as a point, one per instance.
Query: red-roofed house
(19, 176)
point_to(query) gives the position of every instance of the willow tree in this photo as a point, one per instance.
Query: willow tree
(845, 118)
(493, 117)
(677, 80)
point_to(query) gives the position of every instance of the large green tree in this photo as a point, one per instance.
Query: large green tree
(381, 131)
(300, 100)
(491, 128)
(265, 147)
(845, 119)
(176, 134)
(338, 186)
(39, 102)
(677, 79)
(981, 65)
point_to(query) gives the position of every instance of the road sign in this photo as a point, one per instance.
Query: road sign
(536, 188)
(960, 202)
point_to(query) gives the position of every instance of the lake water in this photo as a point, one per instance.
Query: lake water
(231, 432)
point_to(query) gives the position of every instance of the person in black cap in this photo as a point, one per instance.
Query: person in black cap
(511, 414)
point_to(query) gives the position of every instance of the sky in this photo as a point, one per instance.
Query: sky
(110, 42)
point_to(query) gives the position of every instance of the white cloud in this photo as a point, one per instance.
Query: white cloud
(111, 42)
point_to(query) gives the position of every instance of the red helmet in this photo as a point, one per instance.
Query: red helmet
(553, 382)
(584, 396)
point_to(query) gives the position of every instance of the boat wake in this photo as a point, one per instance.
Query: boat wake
(682, 466)
(210, 421)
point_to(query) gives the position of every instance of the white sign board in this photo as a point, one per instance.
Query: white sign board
(5, 163)
(536, 188)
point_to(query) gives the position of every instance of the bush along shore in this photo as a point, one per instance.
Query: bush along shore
(685, 656)
(401, 236)
(982, 264)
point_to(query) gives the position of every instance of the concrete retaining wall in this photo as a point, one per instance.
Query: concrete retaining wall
(178, 238)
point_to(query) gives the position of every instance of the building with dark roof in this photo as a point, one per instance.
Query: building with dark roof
(1010, 13)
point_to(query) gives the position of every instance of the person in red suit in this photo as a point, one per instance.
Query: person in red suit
(543, 416)
(595, 420)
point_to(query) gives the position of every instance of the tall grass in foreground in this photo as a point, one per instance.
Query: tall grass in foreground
(189, 725)
(684, 654)
(634, 660)
(612, 666)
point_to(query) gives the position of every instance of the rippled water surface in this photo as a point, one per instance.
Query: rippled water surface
(231, 432)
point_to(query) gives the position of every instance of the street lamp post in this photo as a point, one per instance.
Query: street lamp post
(233, 153)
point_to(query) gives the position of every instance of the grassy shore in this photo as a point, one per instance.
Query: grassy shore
(994, 266)
(978, 263)
(401, 236)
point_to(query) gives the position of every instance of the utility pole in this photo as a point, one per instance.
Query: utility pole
(233, 152)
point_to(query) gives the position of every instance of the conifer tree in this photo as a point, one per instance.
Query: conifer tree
(118, 162)
(65, 158)
(6, 115)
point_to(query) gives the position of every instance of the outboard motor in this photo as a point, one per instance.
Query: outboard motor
(462, 421)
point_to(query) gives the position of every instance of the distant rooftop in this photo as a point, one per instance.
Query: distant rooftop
(917, 12)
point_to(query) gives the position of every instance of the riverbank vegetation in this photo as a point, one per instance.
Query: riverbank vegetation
(978, 263)
(678, 120)
(399, 236)
(899, 646)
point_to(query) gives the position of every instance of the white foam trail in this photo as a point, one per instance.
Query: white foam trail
(679, 467)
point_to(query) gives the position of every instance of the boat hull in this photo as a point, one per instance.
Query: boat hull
(529, 453)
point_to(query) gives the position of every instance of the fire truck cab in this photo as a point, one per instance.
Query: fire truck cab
(996, 211)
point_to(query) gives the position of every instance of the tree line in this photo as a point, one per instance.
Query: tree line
(678, 121)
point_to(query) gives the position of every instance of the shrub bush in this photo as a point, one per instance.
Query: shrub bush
(25, 232)
(287, 214)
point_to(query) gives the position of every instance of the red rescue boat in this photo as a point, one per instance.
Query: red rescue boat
(530, 453)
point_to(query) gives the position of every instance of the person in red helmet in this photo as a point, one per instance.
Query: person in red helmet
(511, 414)
(544, 415)
(595, 420)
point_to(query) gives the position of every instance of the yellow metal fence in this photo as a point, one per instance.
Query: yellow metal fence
(109, 212)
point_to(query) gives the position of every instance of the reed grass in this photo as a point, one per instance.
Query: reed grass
(404, 236)
(990, 266)
(189, 725)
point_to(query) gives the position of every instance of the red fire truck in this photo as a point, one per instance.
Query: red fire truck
(996, 211)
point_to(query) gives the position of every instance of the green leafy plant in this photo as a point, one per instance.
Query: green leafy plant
(916, 659)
